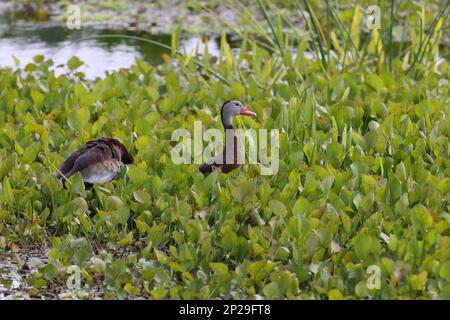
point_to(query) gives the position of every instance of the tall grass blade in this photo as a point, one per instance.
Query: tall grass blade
(277, 40)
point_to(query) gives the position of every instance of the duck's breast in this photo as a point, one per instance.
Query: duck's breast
(102, 171)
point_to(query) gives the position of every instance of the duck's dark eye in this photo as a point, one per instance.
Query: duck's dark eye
(236, 104)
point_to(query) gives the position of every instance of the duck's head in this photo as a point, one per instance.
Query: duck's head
(233, 108)
(125, 156)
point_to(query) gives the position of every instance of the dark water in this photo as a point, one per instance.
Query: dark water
(99, 50)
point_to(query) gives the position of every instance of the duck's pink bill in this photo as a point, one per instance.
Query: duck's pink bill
(246, 112)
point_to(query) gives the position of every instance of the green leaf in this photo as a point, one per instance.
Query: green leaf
(395, 187)
(375, 82)
(421, 217)
(335, 294)
(8, 194)
(219, 268)
(225, 50)
(77, 185)
(162, 276)
(38, 58)
(50, 272)
(272, 291)
(142, 196)
(244, 191)
(74, 63)
(229, 239)
(362, 244)
(361, 289)
(159, 293)
(301, 206)
(79, 119)
(444, 270)
(175, 39)
(16, 60)
(278, 207)
(37, 97)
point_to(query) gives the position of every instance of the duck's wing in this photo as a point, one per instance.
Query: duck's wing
(93, 157)
(220, 162)
(68, 164)
(98, 161)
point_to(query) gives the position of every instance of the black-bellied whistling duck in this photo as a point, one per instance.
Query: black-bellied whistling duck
(229, 109)
(98, 161)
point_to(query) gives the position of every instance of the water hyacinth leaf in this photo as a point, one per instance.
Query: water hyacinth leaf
(277, 207)
(74, 63)
(113, 202)
(38, 58)
(142, 197)
(301, 206)
(375, 82)
(159, 293)
(229, 239)
(162, 276)
(362, 176)
(8, 194)
(365, 244)
(272, 290)
(361, 289)
(37, 97)
(219, 268)
(49, 271)
(7, 164)
(243, 192)
(16, 60)
(117, 269)
(77, 185)
(335, 294)
(78, 119)
(137, 176)
(444, 270)
(421, 217)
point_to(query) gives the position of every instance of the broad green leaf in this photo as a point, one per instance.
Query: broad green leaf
(219, 268)
(78, 120)
(375, 82)
(363, 245)
(74, 63)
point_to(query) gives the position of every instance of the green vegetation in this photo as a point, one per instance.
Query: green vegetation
(364, 174)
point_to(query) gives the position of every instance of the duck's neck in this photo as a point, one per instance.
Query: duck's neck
(227, 126)
(227, 120)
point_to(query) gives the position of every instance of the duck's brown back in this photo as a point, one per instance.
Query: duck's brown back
(98, 160)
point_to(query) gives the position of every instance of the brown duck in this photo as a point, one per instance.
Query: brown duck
(229, 109)
(98, 161)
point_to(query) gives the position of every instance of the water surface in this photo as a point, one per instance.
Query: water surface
(100, 51)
